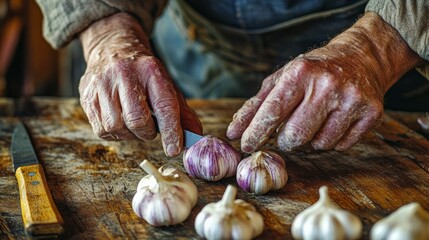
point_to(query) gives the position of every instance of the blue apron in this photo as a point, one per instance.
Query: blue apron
(228, 53)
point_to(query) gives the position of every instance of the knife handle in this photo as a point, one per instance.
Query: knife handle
(39, 213)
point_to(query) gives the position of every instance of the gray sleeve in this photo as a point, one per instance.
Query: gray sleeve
(64, 19)
(411, 19)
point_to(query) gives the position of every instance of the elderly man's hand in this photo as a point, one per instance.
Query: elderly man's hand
(329, 97)
(124, 83)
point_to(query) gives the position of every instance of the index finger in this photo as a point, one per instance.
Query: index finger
(166, 109)
(243, 117)
(277, 106)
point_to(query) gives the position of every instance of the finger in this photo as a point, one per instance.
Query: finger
(357, 131)
(339, 121)
(333, 129)
(90, 103)
(188, 116)
(243, 117)
(277, 106)
(309, 116)
(91, 107)
(166, 109)
(111, 114)
(135, 110)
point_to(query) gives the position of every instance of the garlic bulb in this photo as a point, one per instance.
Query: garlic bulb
(261, 172)
(325, 220)
(211, 158)
(410, 221)
(165, 196)
(229, 219)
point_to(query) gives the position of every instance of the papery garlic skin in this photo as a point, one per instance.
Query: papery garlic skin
(229, 219)
(261, 172)
(165, 196)
(326, 220)
(409, 222)
(211, 158)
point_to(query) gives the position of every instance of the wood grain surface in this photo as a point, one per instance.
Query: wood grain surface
(92, 181)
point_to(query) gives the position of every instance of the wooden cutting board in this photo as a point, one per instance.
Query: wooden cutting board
(93, 181)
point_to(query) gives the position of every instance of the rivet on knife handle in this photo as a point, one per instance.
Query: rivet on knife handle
(39, 213)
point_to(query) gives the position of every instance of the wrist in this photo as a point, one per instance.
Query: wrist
(118, 31)
(378, 48)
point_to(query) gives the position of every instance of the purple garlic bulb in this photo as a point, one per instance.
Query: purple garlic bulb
(261, 172)
(211, 158)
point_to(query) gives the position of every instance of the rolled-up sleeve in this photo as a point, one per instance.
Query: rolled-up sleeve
(64, 19)
(411, 19)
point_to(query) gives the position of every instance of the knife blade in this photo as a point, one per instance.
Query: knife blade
(39, 213)
(190, 138)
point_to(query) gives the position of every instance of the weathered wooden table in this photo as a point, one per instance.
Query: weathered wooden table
(93, 181)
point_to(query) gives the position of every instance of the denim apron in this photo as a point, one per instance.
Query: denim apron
(229, 53)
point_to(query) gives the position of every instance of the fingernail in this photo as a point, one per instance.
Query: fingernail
(172, 150)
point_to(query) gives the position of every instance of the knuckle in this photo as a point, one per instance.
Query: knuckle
(328, 82)
(110, 125)
(355, 94)
(301, 64)
(151, 63)
(136, 120)
(294, 71)
(375, 109)
(165, 105)
(353, 97)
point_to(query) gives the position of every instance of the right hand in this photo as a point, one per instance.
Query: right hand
(124, 83)
(329, 97)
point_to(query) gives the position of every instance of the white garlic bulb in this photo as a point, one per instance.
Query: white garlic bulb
(261, 172)
(165, 196)
(409, 222)
(229, 219)
(326, 220)
(211, 158)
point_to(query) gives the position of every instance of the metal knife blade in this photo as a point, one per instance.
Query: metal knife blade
(39, 213)
(190, 138)
(23, 153)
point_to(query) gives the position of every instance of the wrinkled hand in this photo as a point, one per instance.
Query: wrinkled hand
(124, 83)
(329, 97)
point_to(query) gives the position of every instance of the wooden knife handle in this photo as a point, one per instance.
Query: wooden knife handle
(39, 213)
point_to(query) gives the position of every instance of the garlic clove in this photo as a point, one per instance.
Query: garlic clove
(261, 172)
(211, 158)
(229, 219)
(410, 221)
(326, 220)
(164, 196)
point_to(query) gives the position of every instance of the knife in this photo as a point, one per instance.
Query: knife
(190, 138)
(39, 213)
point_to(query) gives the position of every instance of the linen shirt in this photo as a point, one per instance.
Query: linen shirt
(65, 19)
